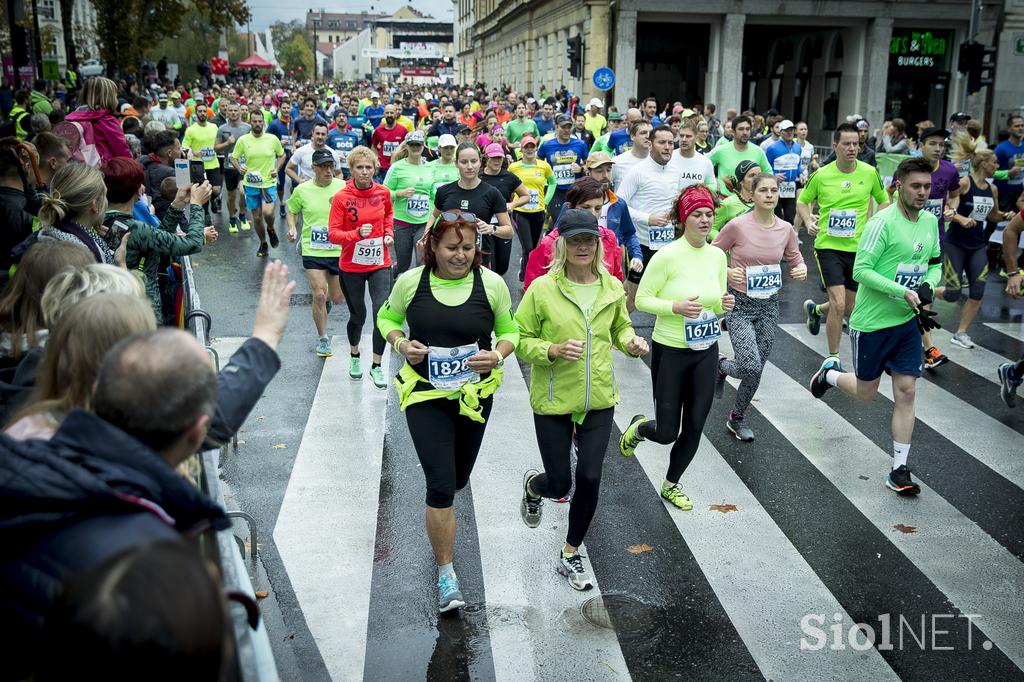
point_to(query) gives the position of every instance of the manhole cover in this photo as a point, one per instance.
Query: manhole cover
(627, 615)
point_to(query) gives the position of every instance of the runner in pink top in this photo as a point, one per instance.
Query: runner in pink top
(757, 242)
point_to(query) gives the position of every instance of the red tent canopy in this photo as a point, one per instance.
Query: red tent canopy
(255, 62)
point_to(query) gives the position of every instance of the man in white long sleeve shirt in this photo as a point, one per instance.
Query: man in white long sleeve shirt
(640, 135)
(694, 168)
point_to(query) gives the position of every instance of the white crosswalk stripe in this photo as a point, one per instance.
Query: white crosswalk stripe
(1012, 329)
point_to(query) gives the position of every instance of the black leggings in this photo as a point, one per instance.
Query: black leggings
(497, 252)
(354, 286)
(447, 445)
(684, 388)
(528, 228)
(554, 436)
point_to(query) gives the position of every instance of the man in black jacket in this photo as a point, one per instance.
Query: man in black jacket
(18, 206)
(163, 147)
(106, 481)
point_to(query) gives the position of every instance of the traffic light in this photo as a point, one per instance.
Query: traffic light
(575, 54)
(978, 62)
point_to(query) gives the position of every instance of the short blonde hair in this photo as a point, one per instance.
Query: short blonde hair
(75, 284)
(561, 254)
(361, 153)
(100, 93)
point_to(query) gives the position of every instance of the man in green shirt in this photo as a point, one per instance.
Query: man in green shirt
(519, 126)
(898, 262)
(319, 256)
(843, 190)
(201, 140)
(726, 157)
(258, 157)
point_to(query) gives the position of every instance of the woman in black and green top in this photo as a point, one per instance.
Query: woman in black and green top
(452, 306)
(411, 182)
(739, 203)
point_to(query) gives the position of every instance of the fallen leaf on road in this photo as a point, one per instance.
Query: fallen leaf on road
(864, 478)
(241, 442)
(639, 549)
(260, 418)
(724, 508)
(905, 529)
(280, 446)
(262, 594)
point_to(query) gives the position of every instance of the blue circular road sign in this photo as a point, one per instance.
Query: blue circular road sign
(604, 79)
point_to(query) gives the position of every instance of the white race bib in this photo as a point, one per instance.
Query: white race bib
(910, 275)
(390, 148)
(369, 251)
(207, 154)
(563, 174)
(448, 368)
(661, 236)
(842, 224)
(318, 240)
(763, 281)
(934, 206)
(787, 189)
(418, 205)
(702, 332)
(534, 203)
(787, 162)
(982, 207)
(254, 178)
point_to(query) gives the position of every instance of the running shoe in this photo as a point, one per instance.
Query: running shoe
(262, 251)
(739, 428)
(449, 596)
(530, 508)
(575, 571)
(282, 211)
(377, 376)
(963, 340)
(933, 358)
(720, 379)
(243, 223)
(1008, 384)
(355, 369)
(813, 317)
(674, 494)
(899, 481)
(818, 385)
(233, 226)
(329, 306)
(272, 235)
(323, 347)
(631, 438)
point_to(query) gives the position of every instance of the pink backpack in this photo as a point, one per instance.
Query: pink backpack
(81, 140)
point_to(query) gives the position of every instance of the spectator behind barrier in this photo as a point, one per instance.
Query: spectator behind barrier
(74, 210)
(157, 608)
(99, 95)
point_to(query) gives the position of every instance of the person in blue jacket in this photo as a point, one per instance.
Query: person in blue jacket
(784, 155)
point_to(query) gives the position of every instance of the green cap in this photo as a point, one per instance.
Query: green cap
(615, 116)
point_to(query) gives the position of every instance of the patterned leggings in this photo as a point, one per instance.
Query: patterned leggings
(752, 326)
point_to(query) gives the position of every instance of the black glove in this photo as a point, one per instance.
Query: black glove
(924, 292)
(926, 321)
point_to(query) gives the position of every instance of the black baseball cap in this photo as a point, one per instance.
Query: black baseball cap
(562, 119)
(960, 117)
(933, 132)
(577, 221)
(322, 156)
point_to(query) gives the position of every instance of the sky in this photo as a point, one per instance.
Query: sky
(266, 12)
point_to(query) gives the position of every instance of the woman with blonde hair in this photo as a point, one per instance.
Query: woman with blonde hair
(75, 208)
(100, 97)
(410, 181)
(569, 321)
(78, 283)
(71, 361)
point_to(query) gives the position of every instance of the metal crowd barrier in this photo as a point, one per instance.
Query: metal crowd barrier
(252, 646)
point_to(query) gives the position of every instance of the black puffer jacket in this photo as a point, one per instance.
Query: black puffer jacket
(70, 503)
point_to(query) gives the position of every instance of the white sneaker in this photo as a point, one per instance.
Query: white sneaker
(575, 571)
(963, 340)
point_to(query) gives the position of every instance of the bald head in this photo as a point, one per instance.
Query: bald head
(633, 114)
(160, 388)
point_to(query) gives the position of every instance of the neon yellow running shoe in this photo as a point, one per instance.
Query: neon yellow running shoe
(672, 493)
(630, 438)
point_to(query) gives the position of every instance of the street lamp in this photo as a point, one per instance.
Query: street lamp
(316, 50)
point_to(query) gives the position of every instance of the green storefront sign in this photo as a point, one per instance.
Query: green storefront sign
(51, 70)
(913, 48)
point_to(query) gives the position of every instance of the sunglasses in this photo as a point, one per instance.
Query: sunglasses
(452, 216)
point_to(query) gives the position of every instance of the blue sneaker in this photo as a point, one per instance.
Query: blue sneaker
(323, 347)
(818, 385)
(813, 317)
(448, 594)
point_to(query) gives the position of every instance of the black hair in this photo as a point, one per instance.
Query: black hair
(915, 164)
(844, 128)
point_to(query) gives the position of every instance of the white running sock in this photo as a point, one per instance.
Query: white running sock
(900, 453)
(832, 377)
(447, 569)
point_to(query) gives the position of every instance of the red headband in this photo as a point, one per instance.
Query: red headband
(693, 198)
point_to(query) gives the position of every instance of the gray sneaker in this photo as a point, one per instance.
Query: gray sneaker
(575, 571)
(323, 347)
(963, 340)
(530, 507)
(739, 428)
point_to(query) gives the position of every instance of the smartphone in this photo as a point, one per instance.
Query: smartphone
(182, 178)
(118, 231)
(197, 172)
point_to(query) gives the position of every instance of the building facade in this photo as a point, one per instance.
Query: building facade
(335, 27)
(815, 60)
(396, 47)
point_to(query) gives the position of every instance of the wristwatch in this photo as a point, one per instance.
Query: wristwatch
(1015, 273)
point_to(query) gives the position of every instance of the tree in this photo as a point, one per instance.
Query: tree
(296, 54)
(125, 28)
(196, 42)
(66, 7)
(282, 32)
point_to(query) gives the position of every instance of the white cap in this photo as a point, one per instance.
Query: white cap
(374, 95)
(596, 103)
(786, 125)
(530, 100)
(447, 140)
